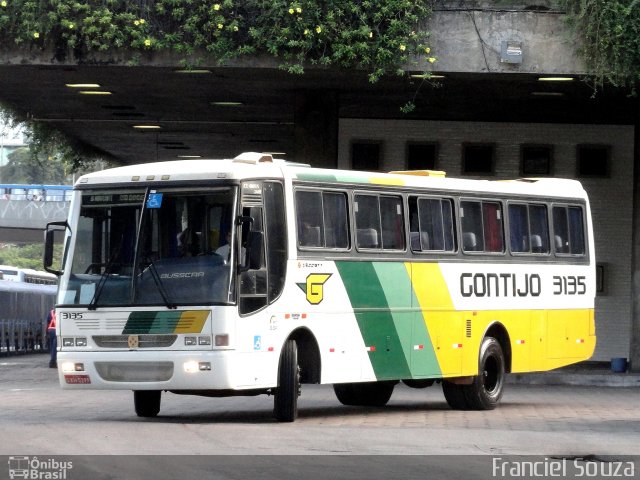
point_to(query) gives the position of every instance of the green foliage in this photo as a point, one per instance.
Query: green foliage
(49, 158)
(27, 255)
(611, 34)
(378, 35)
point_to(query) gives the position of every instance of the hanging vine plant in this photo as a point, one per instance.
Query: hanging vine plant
(610, 30)
(377, 35)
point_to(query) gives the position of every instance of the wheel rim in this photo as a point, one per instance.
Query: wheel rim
(491, 377)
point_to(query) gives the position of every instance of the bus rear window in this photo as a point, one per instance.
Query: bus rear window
(568, 230)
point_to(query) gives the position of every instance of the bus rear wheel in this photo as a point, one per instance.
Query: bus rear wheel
(486, 390)
(367, 394)
(285, 402)
(147, 402)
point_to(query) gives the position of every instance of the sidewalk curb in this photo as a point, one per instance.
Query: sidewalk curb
(625, 380)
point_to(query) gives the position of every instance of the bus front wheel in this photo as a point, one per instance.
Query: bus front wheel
(285, 402)
(147, 402)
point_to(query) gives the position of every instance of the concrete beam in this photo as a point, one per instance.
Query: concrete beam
(470, 41)
(31, 215)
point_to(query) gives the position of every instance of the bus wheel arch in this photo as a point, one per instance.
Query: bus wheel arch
(309, 358)
(498, 331)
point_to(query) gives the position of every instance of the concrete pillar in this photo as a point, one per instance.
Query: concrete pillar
(634, 347)
(316, 128)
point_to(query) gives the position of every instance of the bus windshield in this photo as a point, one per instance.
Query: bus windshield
(161, 247)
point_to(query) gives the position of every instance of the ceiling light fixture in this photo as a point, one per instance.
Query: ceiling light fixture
(193, 71)
(83, 85)
(427, 76)
(555, 79)
(94, 92)
(548, 94)
(189, 156)
(227, 104)
(147, 127)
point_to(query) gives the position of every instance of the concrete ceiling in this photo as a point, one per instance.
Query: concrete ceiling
(191, 124)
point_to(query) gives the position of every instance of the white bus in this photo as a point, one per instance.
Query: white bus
(356, 279)
(26, 275)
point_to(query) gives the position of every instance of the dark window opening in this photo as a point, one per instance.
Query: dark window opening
(536, 160)
(477, 159)
(365, 156)
(593, 160)
(421, 156)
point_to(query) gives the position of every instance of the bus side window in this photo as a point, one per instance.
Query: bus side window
(309, 218)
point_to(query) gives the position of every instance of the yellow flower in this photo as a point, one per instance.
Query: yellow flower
(431, 59)
(318, 29)
(291, 11)
(306, 31)
(220, 26)
(298, 9)
(427, 50)
(216, 6)
(402, 48)
(235, 28)
(147, 43)
(36, 35)
(3, 3)
(370, 34)
(142, 21)
(136, 22)
(72, 26)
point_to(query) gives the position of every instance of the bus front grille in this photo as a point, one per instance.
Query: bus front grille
(144, 341)
(135, 371)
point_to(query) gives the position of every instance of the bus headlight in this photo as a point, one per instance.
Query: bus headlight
(70, 367)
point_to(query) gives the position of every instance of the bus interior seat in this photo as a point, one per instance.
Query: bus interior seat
(469, 241)
(536, 244)
(367, 237)
(560, 247)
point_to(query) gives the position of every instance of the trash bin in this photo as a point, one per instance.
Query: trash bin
(619, 365)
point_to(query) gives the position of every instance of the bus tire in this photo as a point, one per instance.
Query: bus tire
(285, 402)
(487, 387)
(454, 395)
(147, 402)
(367, 394)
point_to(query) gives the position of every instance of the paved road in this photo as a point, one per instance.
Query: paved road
(38, 418)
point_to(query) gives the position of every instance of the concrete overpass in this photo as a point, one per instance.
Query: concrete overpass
(272, 110)
(24, 220)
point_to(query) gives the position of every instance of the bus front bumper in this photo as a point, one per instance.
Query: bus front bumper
(210, 370)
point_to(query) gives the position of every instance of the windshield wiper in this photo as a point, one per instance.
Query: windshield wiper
(158, 282)
(103, 280)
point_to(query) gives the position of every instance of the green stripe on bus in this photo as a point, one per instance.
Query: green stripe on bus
(327, 178)
(377, 325)
(151, 322)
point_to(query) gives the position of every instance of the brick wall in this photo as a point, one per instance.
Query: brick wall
(611, 197)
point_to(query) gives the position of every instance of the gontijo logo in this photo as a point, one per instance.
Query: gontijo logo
(314, 287)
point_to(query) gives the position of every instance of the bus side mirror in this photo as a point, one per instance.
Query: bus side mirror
(49, 240)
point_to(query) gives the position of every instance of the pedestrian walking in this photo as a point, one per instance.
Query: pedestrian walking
(51, 333)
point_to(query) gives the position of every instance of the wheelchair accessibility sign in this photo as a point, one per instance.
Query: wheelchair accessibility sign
(257, 342)
(154, 200)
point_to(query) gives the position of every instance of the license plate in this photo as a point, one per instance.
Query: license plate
(77, 379)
